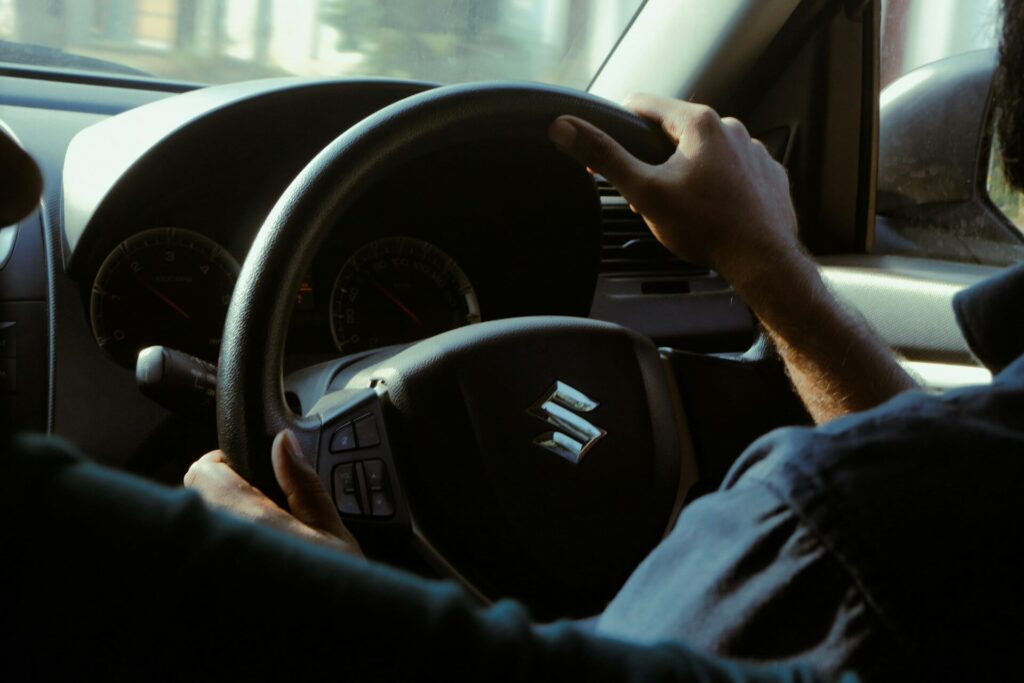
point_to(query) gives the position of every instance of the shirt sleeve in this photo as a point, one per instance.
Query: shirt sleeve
(742, 576)
(110, 576)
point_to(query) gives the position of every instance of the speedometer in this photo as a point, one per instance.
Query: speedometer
(163, 286)
(396, 290)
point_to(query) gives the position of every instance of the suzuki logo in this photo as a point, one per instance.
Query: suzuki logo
(559, 407)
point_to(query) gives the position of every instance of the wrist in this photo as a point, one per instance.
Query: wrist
(787, 294)
(771, 272)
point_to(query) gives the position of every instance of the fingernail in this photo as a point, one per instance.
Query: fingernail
(562, 133)
(293, 449)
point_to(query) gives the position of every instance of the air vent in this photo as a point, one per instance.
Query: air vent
(627, 246)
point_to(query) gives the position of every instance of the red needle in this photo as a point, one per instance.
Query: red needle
(402, 307)
(167, 300)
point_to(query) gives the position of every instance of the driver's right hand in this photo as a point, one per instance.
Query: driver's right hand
(720, 200)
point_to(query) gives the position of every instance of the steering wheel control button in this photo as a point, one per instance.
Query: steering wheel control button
(366, 431)
(380, 504)
(374, 474)
(348, 504)
(345, 478)
(345, 494)
(343, 440)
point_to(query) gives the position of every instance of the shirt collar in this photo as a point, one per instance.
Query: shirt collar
(991, 317)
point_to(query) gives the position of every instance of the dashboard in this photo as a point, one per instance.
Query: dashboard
(156, 246)
(154, 198)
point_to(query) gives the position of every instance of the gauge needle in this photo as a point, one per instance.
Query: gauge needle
(167, 300)
(402, 307)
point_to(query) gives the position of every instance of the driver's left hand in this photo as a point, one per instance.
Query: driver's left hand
(312, 515)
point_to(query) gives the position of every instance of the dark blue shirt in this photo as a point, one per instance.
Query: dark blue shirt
(885, 542)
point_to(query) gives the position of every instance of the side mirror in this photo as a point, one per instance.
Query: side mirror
(937, 194)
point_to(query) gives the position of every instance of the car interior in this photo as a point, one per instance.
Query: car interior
(496, 370)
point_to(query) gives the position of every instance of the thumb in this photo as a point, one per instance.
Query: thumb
(307, 498)
(599, 152)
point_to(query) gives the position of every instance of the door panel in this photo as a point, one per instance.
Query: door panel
(908, 302)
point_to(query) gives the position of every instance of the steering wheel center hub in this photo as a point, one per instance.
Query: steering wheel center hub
(531, 454)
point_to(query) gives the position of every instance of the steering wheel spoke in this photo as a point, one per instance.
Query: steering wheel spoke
(355, 461)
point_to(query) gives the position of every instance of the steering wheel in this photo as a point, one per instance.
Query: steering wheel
(533, 457)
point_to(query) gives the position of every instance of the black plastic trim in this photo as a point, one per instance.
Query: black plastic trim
(51, 251)
(91, 78)
(805, 21)
(64, 96)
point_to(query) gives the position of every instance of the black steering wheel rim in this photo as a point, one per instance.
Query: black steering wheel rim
(477, 408)
(251, 406)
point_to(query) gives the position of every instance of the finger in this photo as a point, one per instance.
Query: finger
(599, 152)
(663, 111)
(735, 127)
(307, 498)
(215, 481)
(653, 107)
(205, 473)
(675, 117)
(221, 487)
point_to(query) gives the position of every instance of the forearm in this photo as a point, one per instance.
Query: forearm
(836, 363)
(721, 199)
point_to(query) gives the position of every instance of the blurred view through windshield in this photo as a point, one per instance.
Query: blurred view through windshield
(216, 41)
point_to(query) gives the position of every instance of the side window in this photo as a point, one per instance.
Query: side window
(937, 175)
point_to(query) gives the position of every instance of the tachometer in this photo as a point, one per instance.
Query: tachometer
(399, 289)
(163, 286)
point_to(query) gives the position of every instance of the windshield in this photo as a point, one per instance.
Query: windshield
(219, 41)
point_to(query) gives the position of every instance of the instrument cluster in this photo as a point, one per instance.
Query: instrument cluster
(172, 286)
(448, 240)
